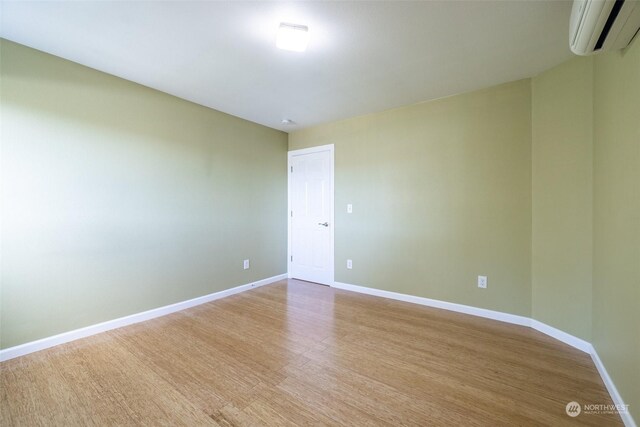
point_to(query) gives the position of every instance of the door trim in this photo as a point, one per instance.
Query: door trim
(290, 155)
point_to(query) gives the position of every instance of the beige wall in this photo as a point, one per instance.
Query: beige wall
(441, 193)
(117, 198)
(562, 147)
(616, 272)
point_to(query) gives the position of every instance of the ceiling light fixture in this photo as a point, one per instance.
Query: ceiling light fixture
(292, 37)
(288, 122)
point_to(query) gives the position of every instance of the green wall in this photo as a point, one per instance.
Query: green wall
(586, 208)
(534, 183)
(141, 199)
(117, 198)
(562, 189)
(441, 193)
(616, 268)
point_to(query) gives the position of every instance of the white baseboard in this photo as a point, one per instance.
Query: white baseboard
(627, 419)
(30, 347)
(460, 308)
(569, 339)
(566, 338)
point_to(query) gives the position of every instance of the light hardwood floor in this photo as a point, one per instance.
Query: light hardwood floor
(296, 353)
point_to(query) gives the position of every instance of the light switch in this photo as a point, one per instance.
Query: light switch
(349, 208)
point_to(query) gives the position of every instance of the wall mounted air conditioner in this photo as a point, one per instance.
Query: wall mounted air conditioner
(601, 25)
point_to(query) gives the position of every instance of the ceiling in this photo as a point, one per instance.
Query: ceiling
(362, 57)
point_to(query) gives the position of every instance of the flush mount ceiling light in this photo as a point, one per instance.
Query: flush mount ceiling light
(288, 122)
(292, 37)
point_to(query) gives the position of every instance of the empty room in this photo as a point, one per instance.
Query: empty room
(339, 213)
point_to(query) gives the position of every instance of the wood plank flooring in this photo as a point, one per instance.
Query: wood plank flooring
(296, 353)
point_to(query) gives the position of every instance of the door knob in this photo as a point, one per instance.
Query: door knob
(324, 224)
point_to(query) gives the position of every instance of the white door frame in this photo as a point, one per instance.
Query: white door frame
(291, 154)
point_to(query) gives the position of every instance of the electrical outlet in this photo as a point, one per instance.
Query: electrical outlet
(349, 208)
(349, 264)
(482, 282)
(246, 264)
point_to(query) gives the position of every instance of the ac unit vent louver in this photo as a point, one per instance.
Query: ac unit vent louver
(602, 25)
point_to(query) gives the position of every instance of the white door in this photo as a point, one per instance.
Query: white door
(311, 214)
